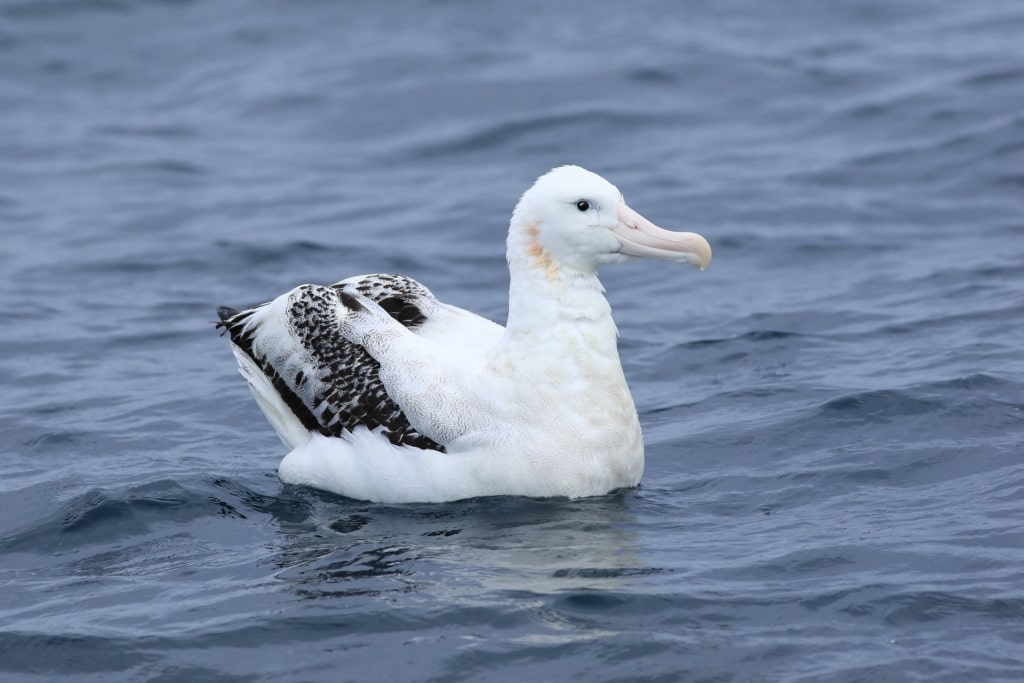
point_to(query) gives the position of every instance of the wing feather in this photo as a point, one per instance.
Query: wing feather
(329, 383)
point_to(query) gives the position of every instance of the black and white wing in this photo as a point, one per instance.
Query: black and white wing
(309, 378)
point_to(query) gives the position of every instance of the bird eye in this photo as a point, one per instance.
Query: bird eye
(583, 205)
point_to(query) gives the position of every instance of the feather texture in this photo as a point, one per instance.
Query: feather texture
(331, 384)
(382, 392)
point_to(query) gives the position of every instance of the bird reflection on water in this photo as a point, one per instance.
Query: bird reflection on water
(374, 549)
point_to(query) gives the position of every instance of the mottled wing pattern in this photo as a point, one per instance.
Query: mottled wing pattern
(400, 296)
(330, 383)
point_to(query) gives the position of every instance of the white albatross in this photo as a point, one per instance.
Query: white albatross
(383, 393)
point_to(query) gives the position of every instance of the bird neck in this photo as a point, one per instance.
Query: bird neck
(546, 296)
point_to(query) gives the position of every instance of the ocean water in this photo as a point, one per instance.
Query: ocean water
(833, 412)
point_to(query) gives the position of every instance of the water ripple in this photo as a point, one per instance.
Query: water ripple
(832, 412)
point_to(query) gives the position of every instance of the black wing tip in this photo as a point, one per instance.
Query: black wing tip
(350, 302)
(404, 311)
(231, 320)
(225, 313)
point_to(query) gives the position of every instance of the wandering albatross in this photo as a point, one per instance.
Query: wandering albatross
(383, 393)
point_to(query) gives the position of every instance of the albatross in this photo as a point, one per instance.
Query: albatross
(381, 392)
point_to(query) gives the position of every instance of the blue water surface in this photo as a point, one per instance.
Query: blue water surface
(833, 412)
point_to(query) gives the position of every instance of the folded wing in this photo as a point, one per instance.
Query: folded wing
(308, 378)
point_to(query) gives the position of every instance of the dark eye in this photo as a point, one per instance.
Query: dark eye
(583, 205)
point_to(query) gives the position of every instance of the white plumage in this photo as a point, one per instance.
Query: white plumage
(384, 393)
